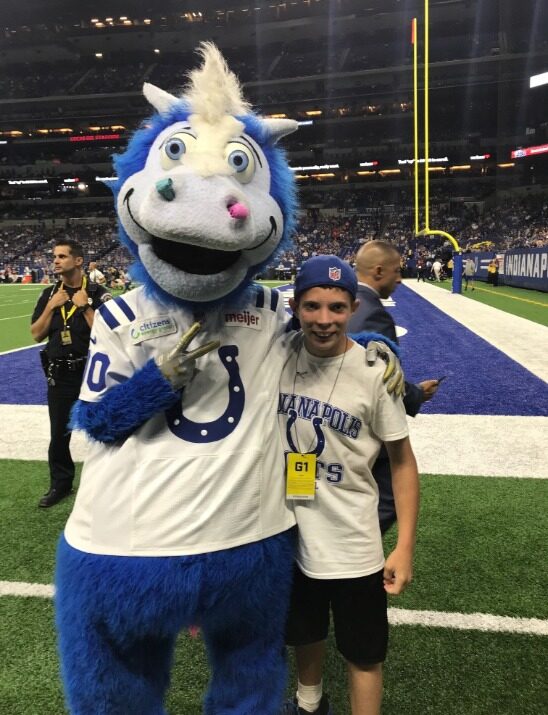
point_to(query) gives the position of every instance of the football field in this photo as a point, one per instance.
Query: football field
(469, 636)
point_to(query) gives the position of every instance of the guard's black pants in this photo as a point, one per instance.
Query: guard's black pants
(61, 397)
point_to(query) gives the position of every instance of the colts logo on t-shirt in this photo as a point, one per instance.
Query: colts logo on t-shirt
(243, 319)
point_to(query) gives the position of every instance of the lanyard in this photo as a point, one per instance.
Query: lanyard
(71, 312)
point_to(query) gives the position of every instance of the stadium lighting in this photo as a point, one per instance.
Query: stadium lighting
(529, 151)
(436, 168)
(460, 167)
(313, 112)
(508, 165)
(305, 123)
(315, 167)
(156, 51)
(19, 182)
(431, 160)
(82, 186)
(538, 80)
(147, 21)
(389, 171)
(99, 55)
(366, 173)
(95, 19)
(106, 179)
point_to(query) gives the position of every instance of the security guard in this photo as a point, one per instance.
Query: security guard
(64, 314)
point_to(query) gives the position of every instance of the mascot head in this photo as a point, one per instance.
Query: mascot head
(205, 198)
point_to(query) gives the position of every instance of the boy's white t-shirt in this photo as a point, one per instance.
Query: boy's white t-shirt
(339, 533)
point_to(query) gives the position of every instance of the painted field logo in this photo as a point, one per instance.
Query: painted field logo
(244, 319)
(150, 328)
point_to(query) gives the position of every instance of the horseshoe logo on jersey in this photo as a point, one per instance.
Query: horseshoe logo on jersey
(220, 428)
(316, 423)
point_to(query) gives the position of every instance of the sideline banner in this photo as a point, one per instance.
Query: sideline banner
(527, 268)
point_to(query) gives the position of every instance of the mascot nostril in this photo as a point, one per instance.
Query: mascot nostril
(165, 188)
(238, 211)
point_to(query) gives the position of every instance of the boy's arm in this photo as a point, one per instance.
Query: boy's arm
(398, 569)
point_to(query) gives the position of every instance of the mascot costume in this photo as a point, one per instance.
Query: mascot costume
(180, 517)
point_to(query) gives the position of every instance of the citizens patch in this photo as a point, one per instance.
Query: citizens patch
(149, 328)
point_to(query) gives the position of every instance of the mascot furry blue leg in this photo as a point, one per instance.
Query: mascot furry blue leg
(180, 517)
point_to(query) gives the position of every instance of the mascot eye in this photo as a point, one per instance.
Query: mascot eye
(174, 149)
(241, 161)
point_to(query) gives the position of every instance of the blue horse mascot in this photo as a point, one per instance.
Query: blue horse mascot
(180, 517)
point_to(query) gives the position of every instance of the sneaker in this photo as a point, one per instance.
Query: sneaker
(290, 707)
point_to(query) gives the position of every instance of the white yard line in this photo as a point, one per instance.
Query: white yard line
(14, 317)
(480, 445)
(397, 616)
(522, 340)
(491, 456)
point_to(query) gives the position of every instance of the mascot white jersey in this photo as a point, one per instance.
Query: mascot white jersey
(180, 517)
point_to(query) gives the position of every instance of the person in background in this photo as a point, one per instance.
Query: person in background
(95, 275)
(334, 418)
(64, 314)
(493, 272)
(469, 271)
(378, 274)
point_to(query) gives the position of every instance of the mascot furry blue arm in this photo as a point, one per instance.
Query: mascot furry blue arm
(180, 517)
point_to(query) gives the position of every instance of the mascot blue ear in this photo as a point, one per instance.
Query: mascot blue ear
(278, 128)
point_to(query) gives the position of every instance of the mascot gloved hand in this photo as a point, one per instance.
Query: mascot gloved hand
(179, 366)
(180, 518)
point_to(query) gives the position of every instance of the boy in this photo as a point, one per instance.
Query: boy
(337, 417)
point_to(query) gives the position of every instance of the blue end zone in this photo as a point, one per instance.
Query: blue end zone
(23, 381)
(480, 379)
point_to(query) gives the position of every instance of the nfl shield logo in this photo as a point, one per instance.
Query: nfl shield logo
(334, 274)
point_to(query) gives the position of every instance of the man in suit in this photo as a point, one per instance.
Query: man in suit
(378, 270)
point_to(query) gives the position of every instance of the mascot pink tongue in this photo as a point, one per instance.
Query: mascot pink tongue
(180, 518)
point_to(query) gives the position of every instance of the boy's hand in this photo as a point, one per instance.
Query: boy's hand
(398, 571)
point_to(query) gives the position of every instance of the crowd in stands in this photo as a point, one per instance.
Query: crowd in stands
(277, 60)
(352, 219)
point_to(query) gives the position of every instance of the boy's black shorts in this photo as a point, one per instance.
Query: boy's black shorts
(360, 619)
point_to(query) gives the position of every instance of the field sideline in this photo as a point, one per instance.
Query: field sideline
(469, 636)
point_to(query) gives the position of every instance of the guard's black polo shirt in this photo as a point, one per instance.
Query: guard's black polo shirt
(79, 329)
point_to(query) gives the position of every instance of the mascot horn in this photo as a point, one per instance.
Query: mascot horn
(180, 518)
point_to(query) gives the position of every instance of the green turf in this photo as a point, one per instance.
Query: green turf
(479, 547)
(16, 306)
(477, 550)
(428, 670)
(529, 304)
